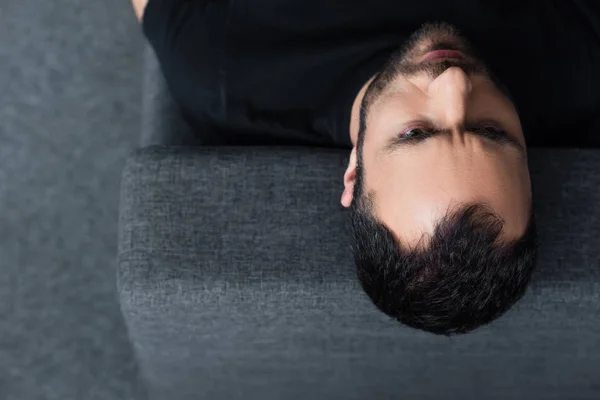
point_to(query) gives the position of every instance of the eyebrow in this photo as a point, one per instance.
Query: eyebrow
(501, 138)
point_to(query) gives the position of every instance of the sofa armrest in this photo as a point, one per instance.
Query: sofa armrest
(236, 281)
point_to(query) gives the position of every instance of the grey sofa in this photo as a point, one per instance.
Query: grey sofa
(236, 281)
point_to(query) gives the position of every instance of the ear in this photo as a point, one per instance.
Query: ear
(349, 178)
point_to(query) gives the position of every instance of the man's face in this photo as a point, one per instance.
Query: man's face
(481, 156)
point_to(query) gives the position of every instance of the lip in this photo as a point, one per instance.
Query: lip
(443, 54)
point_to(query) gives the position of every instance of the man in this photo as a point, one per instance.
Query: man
(444, 234)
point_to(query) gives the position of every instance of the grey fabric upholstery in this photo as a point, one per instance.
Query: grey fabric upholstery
(236, 281)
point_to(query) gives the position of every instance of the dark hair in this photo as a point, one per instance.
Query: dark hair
(461, 280)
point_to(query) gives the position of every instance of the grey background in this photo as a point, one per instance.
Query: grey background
(70, 91)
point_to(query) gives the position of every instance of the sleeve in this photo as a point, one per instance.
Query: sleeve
(162, 19)
(188, 39)
(591, 11)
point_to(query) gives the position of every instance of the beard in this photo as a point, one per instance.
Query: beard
(431, 37)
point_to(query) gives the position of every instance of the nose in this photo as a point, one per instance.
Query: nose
(449, 93)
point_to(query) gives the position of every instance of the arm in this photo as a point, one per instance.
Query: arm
(138, 8)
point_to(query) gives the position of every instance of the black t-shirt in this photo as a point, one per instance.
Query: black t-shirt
(287, 72)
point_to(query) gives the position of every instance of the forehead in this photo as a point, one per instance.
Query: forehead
(412, 205)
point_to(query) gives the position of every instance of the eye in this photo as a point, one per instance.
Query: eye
(490, 131)
(414, 133)
(488, 128)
